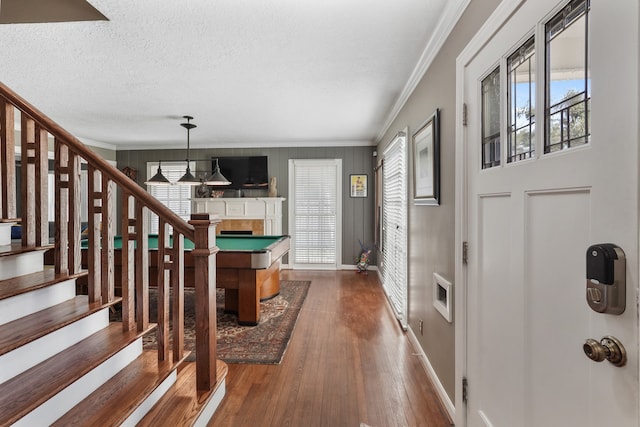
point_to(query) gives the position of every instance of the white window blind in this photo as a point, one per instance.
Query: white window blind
(175, 197)
(394, 226)
(315, 204)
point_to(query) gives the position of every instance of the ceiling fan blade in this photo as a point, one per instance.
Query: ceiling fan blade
(39, 11)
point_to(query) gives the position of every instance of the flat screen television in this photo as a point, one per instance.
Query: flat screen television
(243, 171)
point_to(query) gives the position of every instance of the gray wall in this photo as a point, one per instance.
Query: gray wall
(357, 213)
(431, 229)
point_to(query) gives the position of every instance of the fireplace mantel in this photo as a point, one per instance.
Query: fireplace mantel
(242, 210)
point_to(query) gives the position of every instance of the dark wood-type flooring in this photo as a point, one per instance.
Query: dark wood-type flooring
(348, 364)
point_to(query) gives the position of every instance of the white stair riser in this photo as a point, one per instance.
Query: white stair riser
(21, 264)
(5, 233)
(62, 402)
(29, 355)
(24, 304)
(150, 401)
(207, 413)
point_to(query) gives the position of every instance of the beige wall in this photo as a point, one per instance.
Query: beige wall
(432, 229)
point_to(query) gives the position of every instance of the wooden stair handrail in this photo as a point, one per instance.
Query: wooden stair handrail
(107, 169)
(102, 180)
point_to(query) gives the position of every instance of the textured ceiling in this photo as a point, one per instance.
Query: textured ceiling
(252, 73)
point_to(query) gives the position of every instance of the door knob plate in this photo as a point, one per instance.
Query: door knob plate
(609, 348)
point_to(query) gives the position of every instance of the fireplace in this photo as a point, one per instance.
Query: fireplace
(261, 215)
(241, 226)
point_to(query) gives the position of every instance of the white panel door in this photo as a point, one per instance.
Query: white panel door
(529, 225)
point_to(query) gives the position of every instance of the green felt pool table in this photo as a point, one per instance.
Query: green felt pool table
(247, 267)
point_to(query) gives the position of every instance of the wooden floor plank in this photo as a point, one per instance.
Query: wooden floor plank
(348, 363)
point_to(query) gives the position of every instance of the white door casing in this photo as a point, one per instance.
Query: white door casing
(315, 220)
(523, 316)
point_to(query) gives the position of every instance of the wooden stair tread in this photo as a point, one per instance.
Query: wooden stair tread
(113, 402)
(18, 248)
(16, 220)
(29, 328)
(28, 390)
(29, 282)
(182, 404)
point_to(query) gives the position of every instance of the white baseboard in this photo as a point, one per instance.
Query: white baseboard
(444, 397)
(353, 267)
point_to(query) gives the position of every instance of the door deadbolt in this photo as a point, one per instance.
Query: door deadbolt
(609, 348)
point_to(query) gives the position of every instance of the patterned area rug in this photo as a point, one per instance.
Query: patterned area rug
(264, 343)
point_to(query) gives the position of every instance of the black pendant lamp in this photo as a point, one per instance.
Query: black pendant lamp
(217, 178)
(158, 178)
(188, 178)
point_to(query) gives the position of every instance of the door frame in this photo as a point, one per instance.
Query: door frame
(493, 24)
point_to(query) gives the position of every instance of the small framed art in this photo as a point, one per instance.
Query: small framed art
(358, 185)
(426, 162)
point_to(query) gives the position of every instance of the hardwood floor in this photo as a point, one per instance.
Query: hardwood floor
(348, 364)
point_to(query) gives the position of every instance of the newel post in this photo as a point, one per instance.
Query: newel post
(204, 258)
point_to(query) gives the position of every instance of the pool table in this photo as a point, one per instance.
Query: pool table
(247, 267)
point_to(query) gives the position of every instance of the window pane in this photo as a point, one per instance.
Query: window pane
(175, 197)
(394, 226)
(568, 91)
(315, 212)
(521, 94)
(491, 120)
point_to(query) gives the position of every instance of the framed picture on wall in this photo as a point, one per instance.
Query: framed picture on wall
(358, 185)
(426, 162)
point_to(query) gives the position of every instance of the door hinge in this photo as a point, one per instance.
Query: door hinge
(465, 390)
(465, 252)
(464, 114)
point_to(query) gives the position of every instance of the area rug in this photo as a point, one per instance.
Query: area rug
(264, 343)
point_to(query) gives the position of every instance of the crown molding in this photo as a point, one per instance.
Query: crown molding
(98, 144)
(450, 16)
(259, 144)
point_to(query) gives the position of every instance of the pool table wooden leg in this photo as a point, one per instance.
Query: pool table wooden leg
(249, 298)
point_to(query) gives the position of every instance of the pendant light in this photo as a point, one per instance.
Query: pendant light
(188, 178)
(158, 178)
(216, 177)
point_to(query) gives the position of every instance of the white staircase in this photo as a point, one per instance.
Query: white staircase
(56, 349)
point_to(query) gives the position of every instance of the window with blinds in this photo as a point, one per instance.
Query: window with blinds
(394, 226)
(314, 190)
(175, 197)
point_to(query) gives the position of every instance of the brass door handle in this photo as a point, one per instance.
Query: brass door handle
(609, 348)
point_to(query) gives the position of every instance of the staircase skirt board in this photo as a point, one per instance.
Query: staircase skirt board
(21, 264)
(29, 355)
(66, 399)
(28, 303)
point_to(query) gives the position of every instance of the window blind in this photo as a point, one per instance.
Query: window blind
(175, 197)
(315, 207)
(394, 227)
